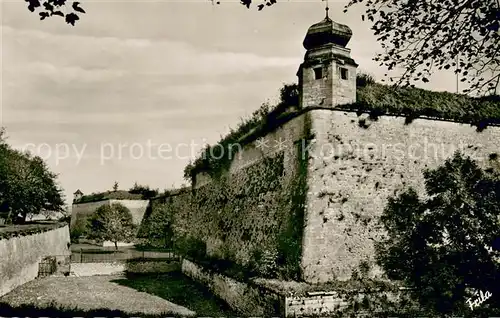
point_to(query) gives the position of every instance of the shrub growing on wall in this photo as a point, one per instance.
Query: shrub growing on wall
(215, 159)
(191, 247)
(364, 79)
(446, 246)
(146, 192)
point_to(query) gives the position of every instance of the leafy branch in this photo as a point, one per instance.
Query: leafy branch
(421, 36)
(59, 8)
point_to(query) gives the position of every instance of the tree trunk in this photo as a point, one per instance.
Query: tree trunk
(9, 217)
(23, 218)
(165, 244)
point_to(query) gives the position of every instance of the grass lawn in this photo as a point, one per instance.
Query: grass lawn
(181, 290)
(145, 295)
(65, 296)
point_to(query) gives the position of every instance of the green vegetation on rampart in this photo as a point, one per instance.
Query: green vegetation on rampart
(415, 102)
(213, 160)
(109, 195)
(29, 228)
(373, 98)
(137, 192)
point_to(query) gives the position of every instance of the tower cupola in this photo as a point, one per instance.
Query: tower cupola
(327, 77)
(325, 32)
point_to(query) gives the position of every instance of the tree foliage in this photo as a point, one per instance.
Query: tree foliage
(80, 228)
(146, 192)
(112, 223)
(27, 186)
(159, 226)
(71, 14)
(364, 79)
(447, 245)
(59, 8)
(421, 36)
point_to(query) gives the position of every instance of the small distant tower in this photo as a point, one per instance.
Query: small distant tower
(77, 195)
(327, 77)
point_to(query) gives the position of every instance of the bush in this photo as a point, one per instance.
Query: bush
(145, 191)
(264, 263)
(363, 79)
(79, 228)
(445, 246)
(191, 247)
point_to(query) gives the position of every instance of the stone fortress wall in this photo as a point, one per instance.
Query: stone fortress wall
(251, 208)
(82, 210)
(22, 254)
(353, 170)
(350, 173)
(312, 203)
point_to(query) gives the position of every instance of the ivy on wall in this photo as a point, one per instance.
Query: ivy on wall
(290, 238)
(215, 160)
(254, 217)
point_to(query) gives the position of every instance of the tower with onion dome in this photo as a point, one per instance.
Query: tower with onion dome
(327, 77)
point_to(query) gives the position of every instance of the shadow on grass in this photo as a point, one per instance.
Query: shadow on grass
(7, 310)
(181, 290)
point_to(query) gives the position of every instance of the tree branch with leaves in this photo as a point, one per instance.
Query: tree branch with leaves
(27, 186)
(112, 223)
(50, 8)
(421, 36)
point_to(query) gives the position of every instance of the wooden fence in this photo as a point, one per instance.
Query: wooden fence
(112, 255)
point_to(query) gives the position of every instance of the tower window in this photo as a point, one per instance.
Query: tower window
(343, 73)
(318, 73)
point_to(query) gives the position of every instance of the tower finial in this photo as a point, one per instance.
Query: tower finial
(326, 9)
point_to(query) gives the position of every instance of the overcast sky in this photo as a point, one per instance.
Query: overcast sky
(151, 72)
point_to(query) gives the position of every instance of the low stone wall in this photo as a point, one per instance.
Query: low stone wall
(317, 304)
(261, 297)
(119, 244)
(94, 269)
(245, 298)
(146, 266)
(20, 256)
(84, 210)
(133, 266)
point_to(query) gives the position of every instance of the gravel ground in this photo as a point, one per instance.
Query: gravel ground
(90, 293)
